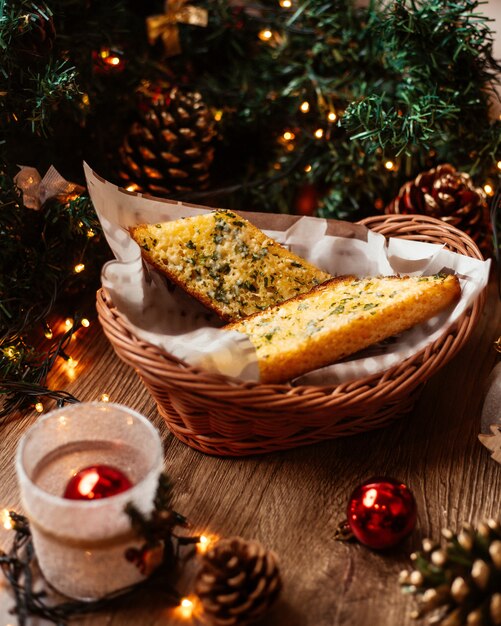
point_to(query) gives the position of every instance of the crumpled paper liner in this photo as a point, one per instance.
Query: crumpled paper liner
(170, 319)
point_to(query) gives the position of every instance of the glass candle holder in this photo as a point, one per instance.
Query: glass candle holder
(81, 544)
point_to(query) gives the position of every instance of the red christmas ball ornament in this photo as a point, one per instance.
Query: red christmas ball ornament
(381, 512)
(95, 482)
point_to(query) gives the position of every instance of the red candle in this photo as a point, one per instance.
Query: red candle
(95, 482)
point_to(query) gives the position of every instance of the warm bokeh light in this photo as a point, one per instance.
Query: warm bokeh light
(265, 34)
(68, 322)
(132, 187)
(104, 397)
(10, 352)
(109, 58)
(332, 117)
(285, 4)
(319, 133)
(39, 407)
(6, 519)
(218, 115)
(85, 322)
(48, 332)
(305, 107)
(79, 268)
(389, 165)
(488, 189)
(90, 233)
(185, 608)
(307, 168)
(288, 135)
(499, 165)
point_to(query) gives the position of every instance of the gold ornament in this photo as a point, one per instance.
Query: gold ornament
(166, 26)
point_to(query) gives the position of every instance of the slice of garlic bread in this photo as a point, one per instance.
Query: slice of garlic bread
(225, 262)
(341, 317)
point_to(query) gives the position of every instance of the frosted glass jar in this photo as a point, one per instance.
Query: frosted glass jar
(80, 544)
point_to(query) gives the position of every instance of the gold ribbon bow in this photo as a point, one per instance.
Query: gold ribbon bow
(167, 26)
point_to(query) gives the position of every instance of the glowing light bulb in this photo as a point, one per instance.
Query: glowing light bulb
(6, 519)
(85, 322)
(265, 34)
(132, 187)
(185, 608)
(288, 135)
(71, 366)
(39, 407)
(305, 107)
(499, 165)
(68, 322)
(79, 268)
(203, 544)
(285, 4)
(90, 233)
(319, 133)
(307, 168)
(218, 115)
(488, 189)
(104, 397)
(48, 332)
(389, 165)
(332, 117)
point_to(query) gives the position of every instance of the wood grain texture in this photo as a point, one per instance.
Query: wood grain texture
(292, 501)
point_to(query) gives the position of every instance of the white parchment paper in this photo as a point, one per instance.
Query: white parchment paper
(170, 319)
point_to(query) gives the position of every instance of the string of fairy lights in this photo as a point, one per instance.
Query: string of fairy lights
(189, 606)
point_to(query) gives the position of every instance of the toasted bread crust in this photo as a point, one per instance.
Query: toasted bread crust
(341, 317)
(226, 263)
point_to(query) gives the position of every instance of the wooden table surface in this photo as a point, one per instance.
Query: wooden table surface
(292, 501)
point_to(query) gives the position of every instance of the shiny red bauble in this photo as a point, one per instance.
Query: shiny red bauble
(381, 512)
(95, 482)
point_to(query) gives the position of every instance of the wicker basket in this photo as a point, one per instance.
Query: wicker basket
(218, 416)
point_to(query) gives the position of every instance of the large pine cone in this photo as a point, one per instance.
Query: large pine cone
(449, 195)
(238, 582)
(459, 584)
(168, 148)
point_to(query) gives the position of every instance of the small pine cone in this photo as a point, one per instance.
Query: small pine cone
(168, 149)
(450, 196)
(238, 582)
(459, 584)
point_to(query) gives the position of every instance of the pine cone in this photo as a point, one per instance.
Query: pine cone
(460, 583)
(449, 195)
(168, 148)
(238, 582)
